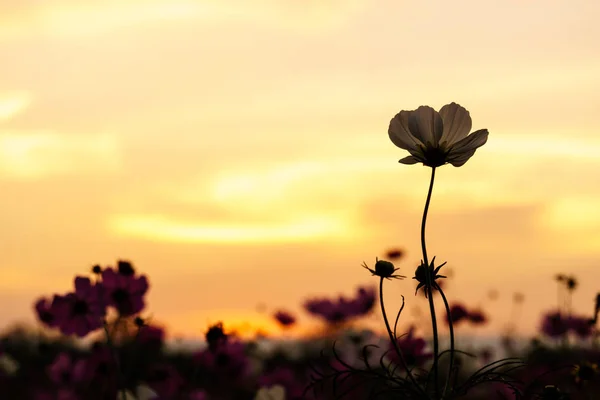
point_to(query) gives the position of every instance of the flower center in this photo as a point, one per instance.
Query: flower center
(80, 308)
(434, 156)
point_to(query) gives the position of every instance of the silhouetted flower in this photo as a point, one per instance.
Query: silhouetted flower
(580, 326)
(384, 269)
(228, 360)
(363, 302)
(151, 335)
(64, 372)
(284, 318)
(82, 311)
(421, 275)
(413, 350)
(571, 283)
(477, 317)
(97, 269)
(436, 138)
(394, 254)
(124, 292)
(125, 268)
(554, 324)
(46, 310)
(215, 335)
(100, 370)
(458, 313)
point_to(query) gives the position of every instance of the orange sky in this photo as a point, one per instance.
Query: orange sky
(237, 151)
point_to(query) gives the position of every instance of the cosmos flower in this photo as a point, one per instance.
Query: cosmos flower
(477, 317)
(554, 324)
(458, 313)
(284, 318)
(413, 350)
(125, 292)
(64, 371)
(46, 310)
(82, 311)
(436, 138)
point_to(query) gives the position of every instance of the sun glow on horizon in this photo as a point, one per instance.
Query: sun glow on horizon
(161, 228)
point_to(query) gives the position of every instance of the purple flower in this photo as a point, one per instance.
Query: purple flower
(227, 360)
(124, 292)
(412, 348)
(554, 324)
(477, 317)
(580, 326)
(46, 310)
(285, 318)
(458, 313)
(64, 372)
(80, 312)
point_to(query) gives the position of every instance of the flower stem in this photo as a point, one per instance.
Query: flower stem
(451, 328)
(394, 339)
(111, 346)
(428, 286)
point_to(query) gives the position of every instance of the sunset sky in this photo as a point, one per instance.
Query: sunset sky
(236, 151)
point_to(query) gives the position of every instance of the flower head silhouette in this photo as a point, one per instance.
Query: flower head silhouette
(436, 138)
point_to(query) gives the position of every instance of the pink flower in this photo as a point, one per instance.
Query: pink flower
(64, 372)
(227, 360)
(580, 326)
(458, 313)
(285, 318)
(477, 317)
(412, 348)
(124, 292)
(80, 312)
(554, 324)
(46, 310)
(151, 335)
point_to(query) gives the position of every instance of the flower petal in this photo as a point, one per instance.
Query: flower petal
(460, 158)
(471, 142)
(426, 125)
(410, 160)
(457, 123)
(400, 134)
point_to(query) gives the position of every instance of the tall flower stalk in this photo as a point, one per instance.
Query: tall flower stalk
(434, 139)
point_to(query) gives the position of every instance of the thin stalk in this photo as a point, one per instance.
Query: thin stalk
(394, 341)
(117, 363)
(451, 328)
(429, 285)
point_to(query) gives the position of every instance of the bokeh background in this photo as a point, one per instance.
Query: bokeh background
(237, 151)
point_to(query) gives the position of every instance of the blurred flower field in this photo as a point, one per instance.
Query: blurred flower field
(129, 357)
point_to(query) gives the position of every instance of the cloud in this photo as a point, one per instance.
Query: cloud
(13, 103)
(34, 155)
(69, 18)
(163, 228)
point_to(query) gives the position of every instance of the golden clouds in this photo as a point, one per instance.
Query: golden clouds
(33, 155)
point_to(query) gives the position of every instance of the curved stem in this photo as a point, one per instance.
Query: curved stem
(451, 328)
(394, 341)
(429, 284)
